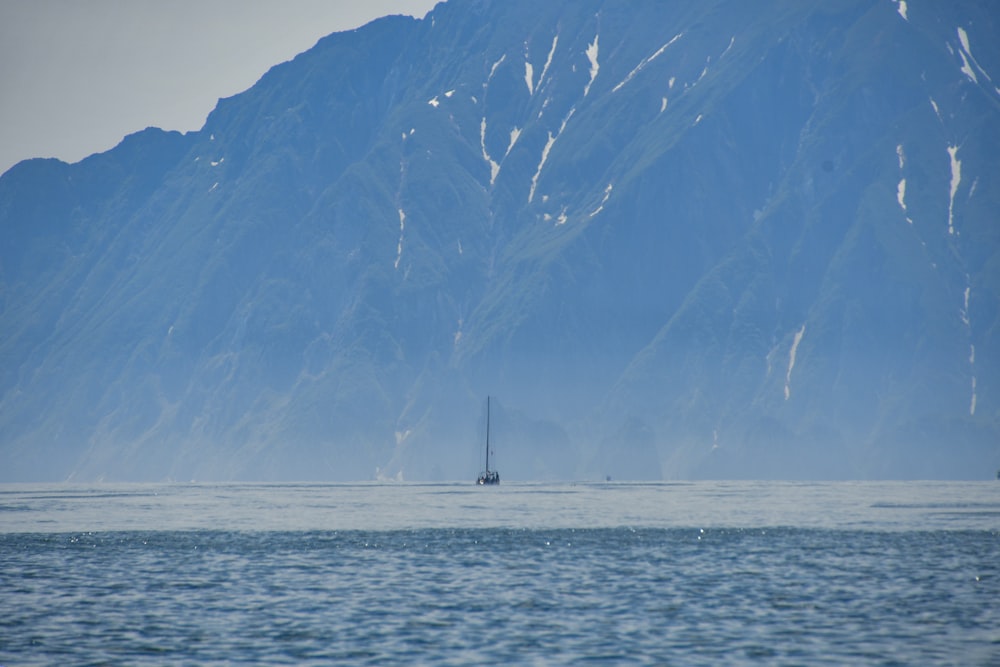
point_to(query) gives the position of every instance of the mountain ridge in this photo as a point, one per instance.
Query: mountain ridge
(724, 242)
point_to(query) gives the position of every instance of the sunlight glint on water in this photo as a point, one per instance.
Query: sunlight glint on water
(705, 573)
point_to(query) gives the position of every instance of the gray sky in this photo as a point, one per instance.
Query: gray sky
(78, 75)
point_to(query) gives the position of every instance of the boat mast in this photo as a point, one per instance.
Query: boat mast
(487, 434)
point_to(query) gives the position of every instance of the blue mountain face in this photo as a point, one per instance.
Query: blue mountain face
(677, 240)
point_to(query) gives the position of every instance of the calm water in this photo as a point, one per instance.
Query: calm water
(676, 574)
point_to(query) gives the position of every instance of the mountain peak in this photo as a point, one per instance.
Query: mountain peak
(721, 240)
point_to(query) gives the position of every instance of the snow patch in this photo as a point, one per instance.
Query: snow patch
(493, 69)
(732, 41)
(538, 172)
(529, 74)
(646, 61)
(704, 71)
(791, 360)
(965, 306)
(514, 135)
(901, 187)
(595, 67)
(399, 246)
(963, 37)
(966, 68)
(600, 207)
(972, 348)
(956, 178)
(937, 112)
(545, 153)
(548, 61)
(494, 167)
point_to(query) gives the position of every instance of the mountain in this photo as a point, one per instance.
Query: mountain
(676, 240)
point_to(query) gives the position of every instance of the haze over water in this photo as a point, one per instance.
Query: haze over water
(700, 573)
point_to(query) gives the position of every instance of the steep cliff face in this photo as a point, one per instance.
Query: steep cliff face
(726, 239)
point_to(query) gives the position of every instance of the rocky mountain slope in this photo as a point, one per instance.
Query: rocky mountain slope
(719, 239)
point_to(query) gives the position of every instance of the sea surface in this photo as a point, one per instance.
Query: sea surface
(706, 573)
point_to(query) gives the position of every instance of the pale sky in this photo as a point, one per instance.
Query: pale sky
(76, 76)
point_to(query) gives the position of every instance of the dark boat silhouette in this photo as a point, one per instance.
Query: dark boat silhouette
(488, 476)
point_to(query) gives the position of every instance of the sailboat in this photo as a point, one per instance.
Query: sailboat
(488, 476)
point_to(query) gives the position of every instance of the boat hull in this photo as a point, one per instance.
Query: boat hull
(488, 478)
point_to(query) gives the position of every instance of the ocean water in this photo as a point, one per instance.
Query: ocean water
(667, 574)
